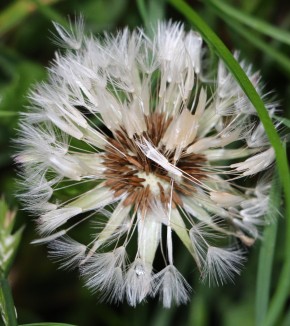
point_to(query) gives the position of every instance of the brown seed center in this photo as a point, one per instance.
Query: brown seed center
(130, 172)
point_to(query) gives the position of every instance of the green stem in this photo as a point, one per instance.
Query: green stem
(264, 272)
(266, 255)
(7, 304)
(282, 291)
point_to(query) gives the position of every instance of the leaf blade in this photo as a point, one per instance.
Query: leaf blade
(266, 255)
(253, 22)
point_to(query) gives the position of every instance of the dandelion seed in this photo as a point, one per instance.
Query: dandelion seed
(138, 282)
(67, 251)
(104, 272)
(171, 286)
(129, 134)
(221, 265)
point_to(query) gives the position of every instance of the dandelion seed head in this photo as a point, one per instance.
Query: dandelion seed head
(129, 137)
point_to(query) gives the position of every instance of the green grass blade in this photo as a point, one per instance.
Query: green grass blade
(282, 291)
(48, 324)
(280, 58)
(142, 10)
(7, 308)
(267, 254)
(255, 23)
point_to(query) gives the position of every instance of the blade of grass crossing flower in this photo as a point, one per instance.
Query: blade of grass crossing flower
(282, 291)
(257, 24)
(267, 254)
(6, 304)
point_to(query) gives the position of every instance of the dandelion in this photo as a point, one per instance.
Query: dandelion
(131, 139)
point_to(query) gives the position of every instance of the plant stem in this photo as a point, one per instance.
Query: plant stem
(7, 304)
(264, 272)
(267, 254)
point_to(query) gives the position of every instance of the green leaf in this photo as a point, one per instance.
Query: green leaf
(47, 324)
(253, 22)
(11, 250)
(3, 212)
(6, 304)
(8, 242)
(7, 218)
(267, 254)
(280, 58)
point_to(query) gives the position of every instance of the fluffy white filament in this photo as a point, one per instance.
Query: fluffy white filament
(67, 251)
(104, 272)
(130, 138)
(171, 286)
(138, 282)
(221, 265)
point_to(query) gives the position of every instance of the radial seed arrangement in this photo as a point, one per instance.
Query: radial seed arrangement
(132, 139)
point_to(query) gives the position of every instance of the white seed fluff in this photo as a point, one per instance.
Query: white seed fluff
(131, 140)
